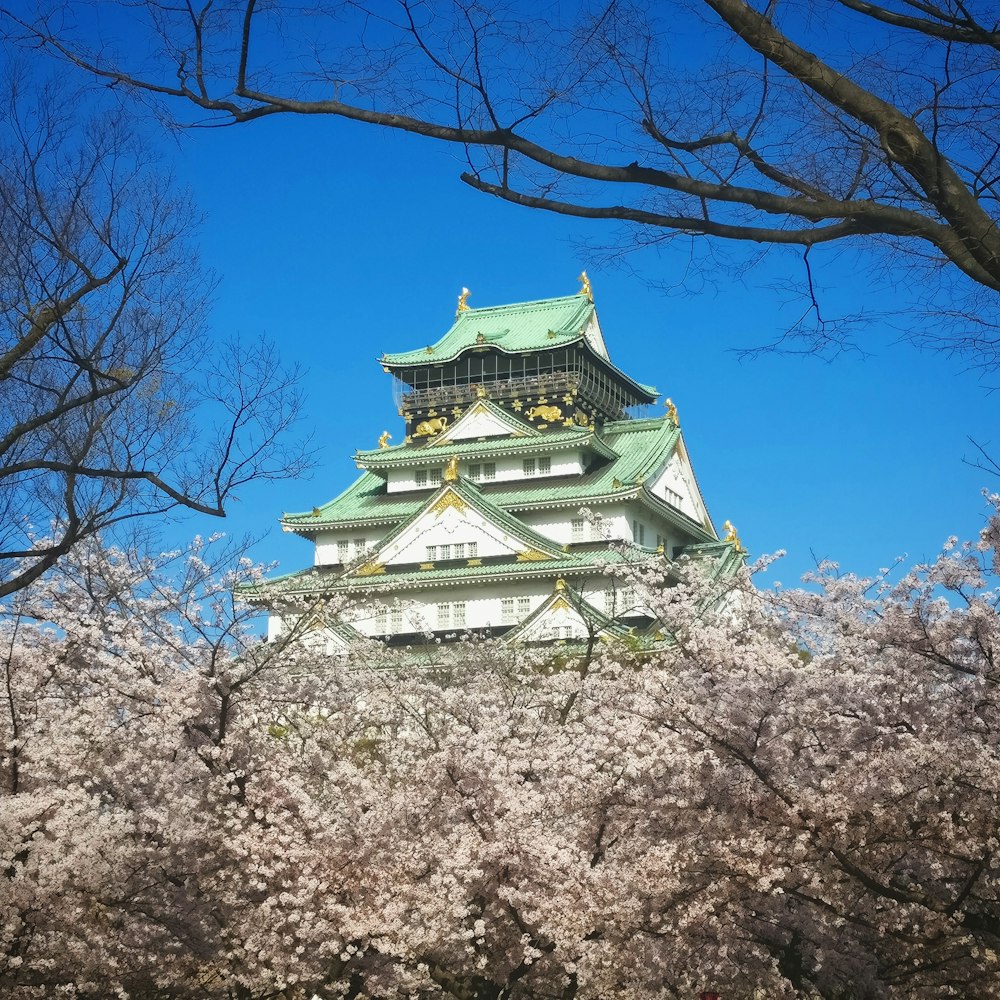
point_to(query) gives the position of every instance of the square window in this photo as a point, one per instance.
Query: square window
(420, 477)
(434, 477)
(523, 607)
(444, 552)
(507, 611)
(576, 529)
(343, 550)
(528, 466)
(431, 553)
(458, 551)
(475, 472)
(396, 620)
(359, 546)
(444, 615)
(544, 466)
(489, 470)
(458, 614)
(473, 550)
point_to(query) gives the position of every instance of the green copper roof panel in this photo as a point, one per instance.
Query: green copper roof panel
(409, 454)
(521, 326)
(316, 579)
(641, 446)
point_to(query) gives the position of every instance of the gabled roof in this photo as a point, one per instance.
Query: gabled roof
(513, 329)
(329, 580)
(435, 452)
(461, 495)
(640, 448)
(521, 328)
(566, 598)
(485, 415)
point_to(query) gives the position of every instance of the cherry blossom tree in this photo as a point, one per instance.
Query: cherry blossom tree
(799, 797)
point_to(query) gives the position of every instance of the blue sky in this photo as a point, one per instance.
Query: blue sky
(339, 242)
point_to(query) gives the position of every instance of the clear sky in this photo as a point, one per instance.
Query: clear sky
(339, 242)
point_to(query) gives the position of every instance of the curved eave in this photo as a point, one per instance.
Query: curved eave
(406, 456)
(646, 393)
(327, 583)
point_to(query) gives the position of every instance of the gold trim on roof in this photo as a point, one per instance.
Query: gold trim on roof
(449, 499)
(585, 286)
(463, 302)
(532, 555)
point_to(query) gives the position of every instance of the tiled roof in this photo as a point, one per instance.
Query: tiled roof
(517, 328)
(641, 447)
(472, 496)
(514, 328)
(411, 454)
(317, 579)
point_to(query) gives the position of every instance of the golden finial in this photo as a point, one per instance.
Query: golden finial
(560, 584)
(316, 512)
(659, 549)
(672, 412)
(732, 536)
(463, 302)
(450, 474)
(383, 441)
(481, 392)
(585, 288)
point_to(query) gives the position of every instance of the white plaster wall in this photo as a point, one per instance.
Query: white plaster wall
(327, 544)
(417, 609)
(482, 605)
(449, 527)
(677, 478)
(564, 463)
(615, 523)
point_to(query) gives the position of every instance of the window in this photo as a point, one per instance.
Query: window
(507, 611)
(458, 551)
(382, 620)
(544, 466)
(523, 607)
(489, 470)
(475, 472)
(473, 550)
(420, 477)
(671, 496)
(444, 552)
(638, 533)
(528, 466)
(396, 620)
(451, 615)
(343, 550)
(434, 477)
(359, 546)
(576, 529)
(432, 553)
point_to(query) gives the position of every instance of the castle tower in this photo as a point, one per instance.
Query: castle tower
(524, 477)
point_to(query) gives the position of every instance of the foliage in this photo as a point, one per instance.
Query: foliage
(187, 812)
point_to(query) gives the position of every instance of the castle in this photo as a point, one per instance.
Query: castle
(524, 479)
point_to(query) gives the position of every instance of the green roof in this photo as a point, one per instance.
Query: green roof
(640, 446)
(411, 454)
(475, 499)
(321, 578)
(517, 328)
(514, 328)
